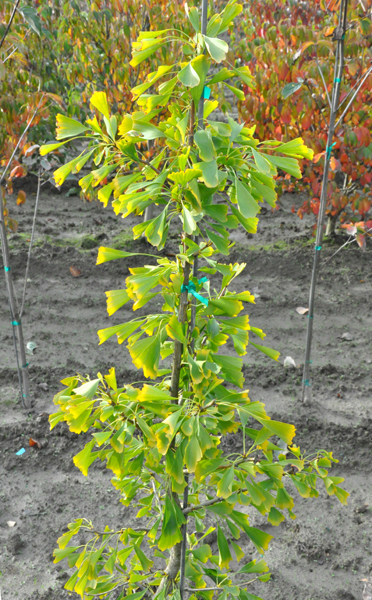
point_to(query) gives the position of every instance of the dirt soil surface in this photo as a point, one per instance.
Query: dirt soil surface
(326, 551)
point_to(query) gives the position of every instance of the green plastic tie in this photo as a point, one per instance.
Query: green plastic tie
(329, 150)
(337, 80)
(310, 316)
(24, 366)
(15, 323)
(310, 362)
(191, 289)
(318, 248)
(307, 383)
(6, 268)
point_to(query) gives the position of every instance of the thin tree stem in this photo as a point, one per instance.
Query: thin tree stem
(19, 142)
(184, 540)
(14, 316)
(10, 22)
(324, 83)
(178, 346)
(31, 243)
(354, 96)
(306, 382)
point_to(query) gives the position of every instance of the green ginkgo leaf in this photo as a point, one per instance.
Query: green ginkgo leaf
(99, 101)
(115, 300)
(209, 173)
(247, 204)
(145, 355)
(188, 76)
(203, 140)
(224, 486)
(217, 48)
(223, 548)
(172, 521)
(193, 454)
(67, 127)
(189, 224)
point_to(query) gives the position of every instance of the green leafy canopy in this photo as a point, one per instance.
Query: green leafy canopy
(161, 437)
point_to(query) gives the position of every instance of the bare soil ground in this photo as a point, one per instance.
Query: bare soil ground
(326, 551)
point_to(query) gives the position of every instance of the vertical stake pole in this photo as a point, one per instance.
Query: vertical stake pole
(31, 244)
(14, 315)
(339, 65)
(204, 18)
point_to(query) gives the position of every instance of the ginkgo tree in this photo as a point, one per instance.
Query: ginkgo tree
(163, 439)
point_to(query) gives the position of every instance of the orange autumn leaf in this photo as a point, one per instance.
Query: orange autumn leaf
(334, 164)
(18, 171)
(33, 442)
(21, 198)
(317, 157)
(329, 31)
(75, 272)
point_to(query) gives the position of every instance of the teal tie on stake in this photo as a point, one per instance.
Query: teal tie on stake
(329, 150)
(206, 93)
(191, 289)
(338, 80)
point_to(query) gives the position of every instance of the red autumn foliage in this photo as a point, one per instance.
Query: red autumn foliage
(286, 54)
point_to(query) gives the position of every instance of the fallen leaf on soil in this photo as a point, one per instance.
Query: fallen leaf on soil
(289, 362)
(347, 337)
(44, 416)
(33, 442)
(43, 386)
(10, 523)
(362, 509)
(367, 591)
(75, 272)
(301, 310)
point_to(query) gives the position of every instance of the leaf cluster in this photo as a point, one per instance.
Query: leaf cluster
(292, 60)
(164, 440)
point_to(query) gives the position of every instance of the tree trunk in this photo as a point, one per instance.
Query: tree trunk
(331, 225)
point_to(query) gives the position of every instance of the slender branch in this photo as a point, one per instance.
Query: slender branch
(10, 22)
(31, 243)
(137, 529)
(19, 141)
(313, 95)
(178, 346)
(349, 241)
(321, 75)
(184, 540)
(350, 91)
(339, 66)
(192, 123)
(146, 162)
(186, 511)
(213, 589)
(156, 495)
(354, 95)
